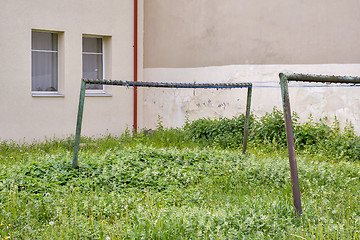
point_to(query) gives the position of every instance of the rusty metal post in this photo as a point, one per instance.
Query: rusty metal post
(247, 119)
(78, 124)
(158, 85)
(290, 143)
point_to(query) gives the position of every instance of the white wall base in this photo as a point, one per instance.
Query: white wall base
(173, 105)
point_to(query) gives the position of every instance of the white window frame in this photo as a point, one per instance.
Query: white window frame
(47, 93)
(95, 92)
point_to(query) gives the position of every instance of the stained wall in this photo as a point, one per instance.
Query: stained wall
(24, 117)
(251, 41)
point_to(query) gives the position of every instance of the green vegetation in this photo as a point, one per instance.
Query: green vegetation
(186, 183)
(268, 133)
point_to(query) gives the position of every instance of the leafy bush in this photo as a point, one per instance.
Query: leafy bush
(221, 132)
(311, 133)
(228, 133)
(271, 128)
(268, 131)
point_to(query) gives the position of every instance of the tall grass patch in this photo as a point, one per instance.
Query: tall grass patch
(146, 192)
(184, 183)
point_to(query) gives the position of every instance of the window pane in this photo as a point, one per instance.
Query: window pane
(93, 61)
(92, 69)
(44, 41)
(44, 71)
(92, 66)
(44, 61)
(93, 45)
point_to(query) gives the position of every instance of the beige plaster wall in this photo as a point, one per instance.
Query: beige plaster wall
(174, 105)
(25, 117)
(200, 33)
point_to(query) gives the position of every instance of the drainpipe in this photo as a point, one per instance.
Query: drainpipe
(135, 64)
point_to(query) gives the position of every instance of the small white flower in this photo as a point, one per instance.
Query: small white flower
(51, 223)
(107, 238)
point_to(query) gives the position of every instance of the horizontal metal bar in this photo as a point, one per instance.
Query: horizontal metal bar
(168, 85)
(320, 78)
(312, 86)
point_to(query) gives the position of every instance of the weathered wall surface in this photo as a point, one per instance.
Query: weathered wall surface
(238, 40)
(174, 105)
(24, 117)
(211, 32)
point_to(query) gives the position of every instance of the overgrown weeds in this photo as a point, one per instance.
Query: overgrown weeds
(313, 137)
(184, 183)
(145, 192)
(268, 132)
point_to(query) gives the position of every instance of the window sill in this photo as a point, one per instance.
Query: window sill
(45, 94)
(100, 94)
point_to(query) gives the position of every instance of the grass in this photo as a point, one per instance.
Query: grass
(166, 186)
(145, 192)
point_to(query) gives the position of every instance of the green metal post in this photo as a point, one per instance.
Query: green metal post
(290, 143)
(78, 124)
(247, 120)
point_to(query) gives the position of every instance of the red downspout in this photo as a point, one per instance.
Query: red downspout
(135, 62)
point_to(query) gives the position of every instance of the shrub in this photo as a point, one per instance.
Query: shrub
(220, 132)
(271, 128)
(269, 131)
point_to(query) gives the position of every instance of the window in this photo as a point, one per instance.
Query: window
(93, 59)
(44, 62)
